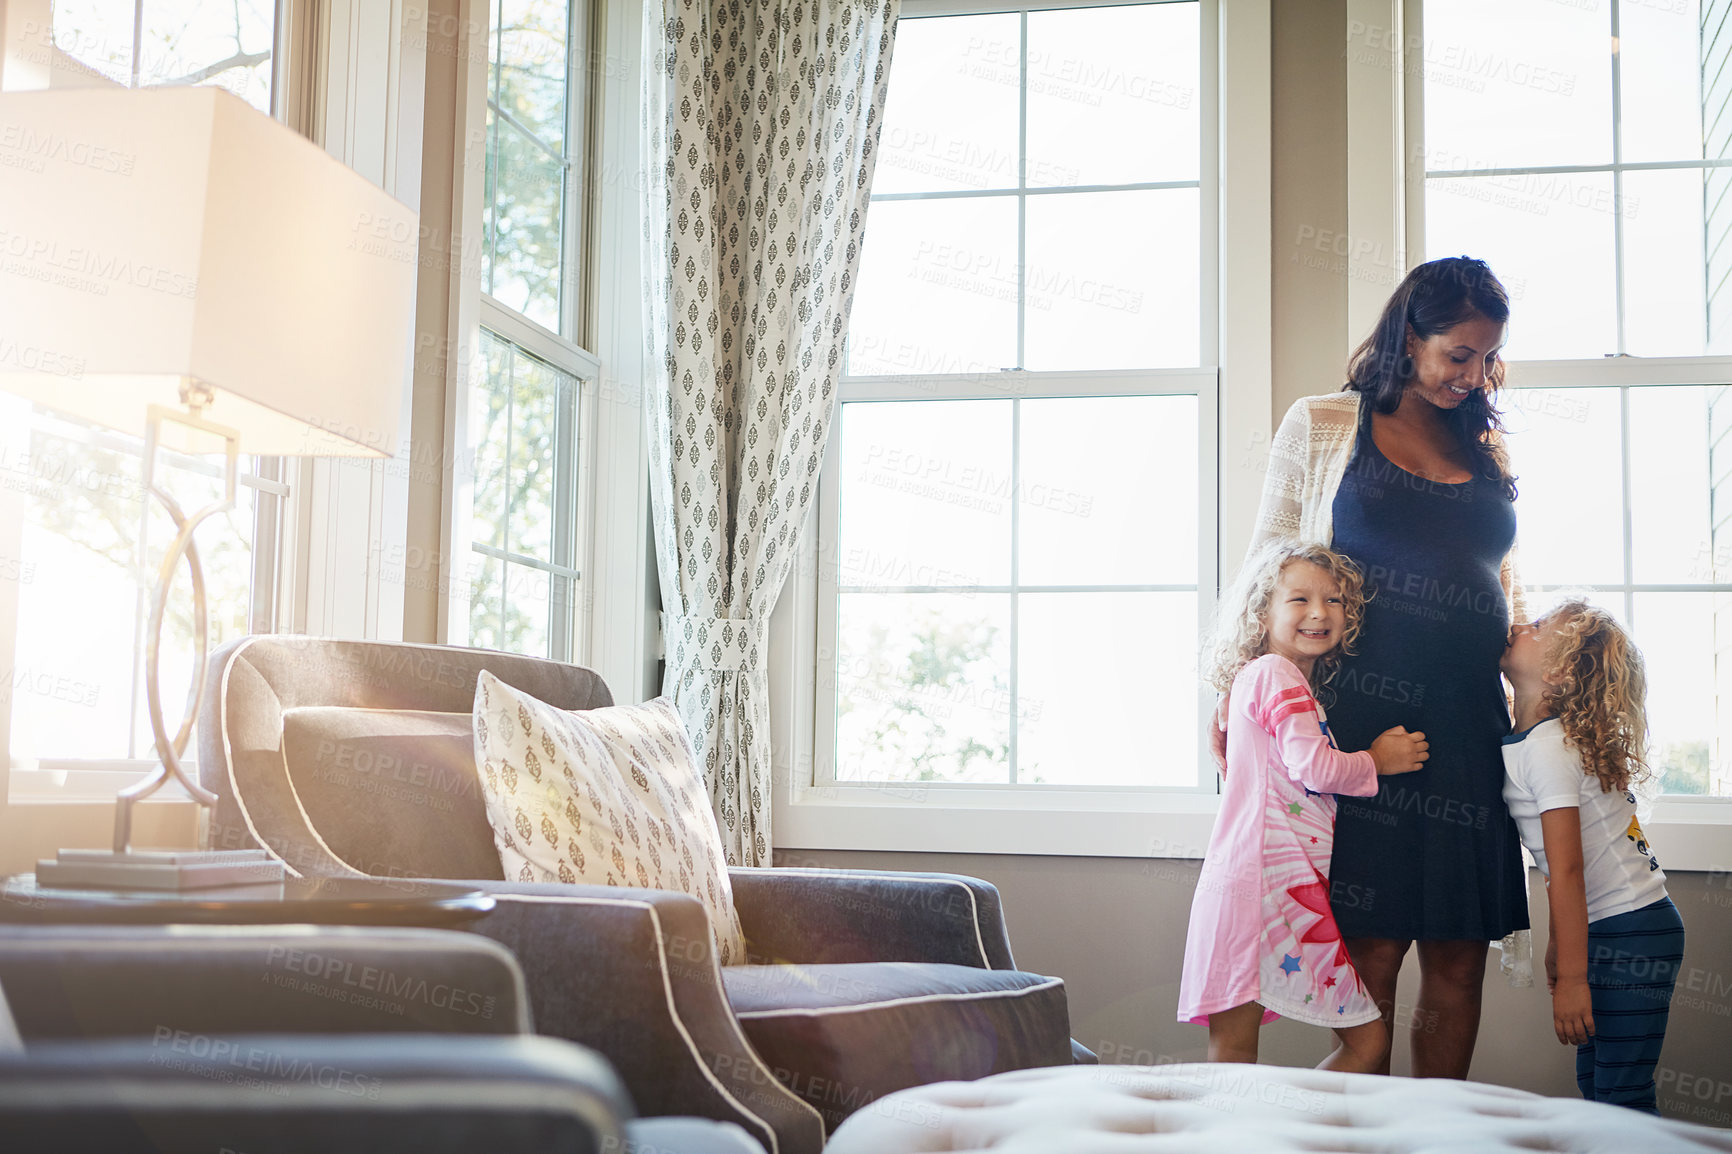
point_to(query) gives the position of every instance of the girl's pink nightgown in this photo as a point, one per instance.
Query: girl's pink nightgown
(1261, 927)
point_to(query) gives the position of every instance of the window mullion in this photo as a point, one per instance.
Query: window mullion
(1021, 205)
(137, 37)
(505, 508)
(560, 587)
(574, 239)
(1629, 522)
(140, 616)
(1618, 190)
(1015, 570)
(491, 210)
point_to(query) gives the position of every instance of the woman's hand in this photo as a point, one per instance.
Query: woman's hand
(1398, 751)
(1572, 1011)
(1218, 736)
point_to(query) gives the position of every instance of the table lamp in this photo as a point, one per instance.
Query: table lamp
(178, 266)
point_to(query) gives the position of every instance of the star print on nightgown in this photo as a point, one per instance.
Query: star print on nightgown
(1290, 963)
(1313, 841)
(1340, 1009)
(1307, 999)
(1328, 982)
(1295, 808)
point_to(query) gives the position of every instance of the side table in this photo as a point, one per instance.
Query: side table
(326, 901)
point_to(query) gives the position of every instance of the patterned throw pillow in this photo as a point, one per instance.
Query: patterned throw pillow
(607, 796)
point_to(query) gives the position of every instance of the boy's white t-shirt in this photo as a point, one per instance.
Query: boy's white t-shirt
(1618, 867)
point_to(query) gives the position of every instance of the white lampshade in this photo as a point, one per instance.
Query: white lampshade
(158, 236)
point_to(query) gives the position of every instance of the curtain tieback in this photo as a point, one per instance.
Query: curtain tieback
(714, 644)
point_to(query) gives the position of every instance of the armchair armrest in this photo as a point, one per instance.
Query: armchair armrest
(825, 916)
(335, 1095)
(633, 974)
(68, 982)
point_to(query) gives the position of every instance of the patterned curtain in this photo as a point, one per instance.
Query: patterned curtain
(761, 126)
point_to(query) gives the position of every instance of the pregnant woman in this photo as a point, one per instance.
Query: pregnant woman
(1404, 471)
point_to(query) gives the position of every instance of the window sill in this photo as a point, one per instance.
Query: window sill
(915, 817)
(1692, 834)
(1689, 834)
(90, 783)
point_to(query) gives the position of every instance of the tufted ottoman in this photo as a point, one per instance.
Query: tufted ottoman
(1235, 1109)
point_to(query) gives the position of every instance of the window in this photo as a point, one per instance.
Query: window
(1036, 200)
(1581, 150)
(524, 424)
(146, 43)
(1009, 521)
(85, 569)
(1583, 146)
(83, 537)
(525, 416)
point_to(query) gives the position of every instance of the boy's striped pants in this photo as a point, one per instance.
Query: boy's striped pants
(1633, 962)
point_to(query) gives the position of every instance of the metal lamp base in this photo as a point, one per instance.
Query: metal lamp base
(170, 870)
(166, 870)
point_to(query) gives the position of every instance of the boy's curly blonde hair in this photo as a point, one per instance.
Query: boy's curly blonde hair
(1240, 635)
(1598, 689)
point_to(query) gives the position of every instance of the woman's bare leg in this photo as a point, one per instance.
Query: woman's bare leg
(1378, 961)
(1451, 984)
(1361, 1049)
(1233, 1033)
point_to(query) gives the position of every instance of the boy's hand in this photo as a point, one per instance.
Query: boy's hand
(1398, 751)
(1572, 1011)
(1552, 964)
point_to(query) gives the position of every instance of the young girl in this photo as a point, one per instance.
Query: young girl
(1262, 941)
(1616, 938)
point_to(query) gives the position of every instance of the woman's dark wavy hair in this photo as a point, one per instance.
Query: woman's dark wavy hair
(1435, 297)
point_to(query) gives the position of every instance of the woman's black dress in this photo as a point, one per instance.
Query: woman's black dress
(1435, 854)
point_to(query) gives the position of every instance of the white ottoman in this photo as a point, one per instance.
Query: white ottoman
(1236, 1109)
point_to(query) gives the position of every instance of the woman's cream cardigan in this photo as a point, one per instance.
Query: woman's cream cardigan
(1307, 459)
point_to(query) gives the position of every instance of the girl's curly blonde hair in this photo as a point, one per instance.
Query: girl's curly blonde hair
(1597, 687)
(1240, 634)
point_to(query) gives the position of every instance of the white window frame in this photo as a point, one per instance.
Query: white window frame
(573, 469)
(574, 237)
(622, 598)
(571, 478)
(810, 811)
(1695, 833)
(617, 602)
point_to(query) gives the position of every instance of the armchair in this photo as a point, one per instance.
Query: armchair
(293, 1038)
(357, 757)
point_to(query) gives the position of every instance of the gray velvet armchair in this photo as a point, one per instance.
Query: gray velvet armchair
(357, 757)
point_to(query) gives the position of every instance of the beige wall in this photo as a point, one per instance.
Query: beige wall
(1309, 172)
(1114, 930)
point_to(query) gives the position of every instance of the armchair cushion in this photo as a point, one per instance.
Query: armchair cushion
(609, 795)
(828, 916)
(392, 792)
(841, 1036)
